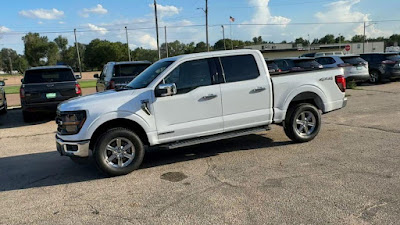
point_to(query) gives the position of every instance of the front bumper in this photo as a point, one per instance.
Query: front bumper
(73, 148)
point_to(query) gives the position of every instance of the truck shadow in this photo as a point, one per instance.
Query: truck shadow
(48, 168)
(14, 119)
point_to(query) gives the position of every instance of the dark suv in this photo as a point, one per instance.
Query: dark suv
(116, 75)
(3, 100)
(298, 64)
(383, 65)
(43, 88)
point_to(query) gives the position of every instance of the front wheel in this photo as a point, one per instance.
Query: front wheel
(302, 122)
(118, 151)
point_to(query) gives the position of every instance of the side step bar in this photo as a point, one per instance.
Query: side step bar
(215, 137)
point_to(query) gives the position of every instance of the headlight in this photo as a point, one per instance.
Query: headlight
(70, 122)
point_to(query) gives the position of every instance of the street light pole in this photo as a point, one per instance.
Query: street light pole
(364, 39)
(77, 51)
(223, 35)
(166, 42)
(127, 43)
(208, 46)
(158, 42)
(340, 42)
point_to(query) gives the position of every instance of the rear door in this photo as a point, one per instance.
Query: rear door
(246, 99)
(49, 85)
(125, 73)
(101, 81)
(196, 109)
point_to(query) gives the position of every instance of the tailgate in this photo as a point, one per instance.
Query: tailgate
(49, 92)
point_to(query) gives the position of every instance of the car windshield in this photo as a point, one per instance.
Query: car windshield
(353, 60)
(126, 70)
(48, 75)
(307, 64)
(147, 76)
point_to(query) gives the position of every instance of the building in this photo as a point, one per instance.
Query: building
(273, 51)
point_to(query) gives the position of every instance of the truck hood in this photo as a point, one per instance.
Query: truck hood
(112, 99)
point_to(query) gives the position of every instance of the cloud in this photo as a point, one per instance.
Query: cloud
(148, 41)
(4, 29)
(46, 14)
(99, 9)
(262, 15)
(166, 10)
(61, 22)
(100, 30)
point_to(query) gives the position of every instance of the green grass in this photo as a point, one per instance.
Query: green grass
(84, 84)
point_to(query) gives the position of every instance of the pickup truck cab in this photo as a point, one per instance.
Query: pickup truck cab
(116, 75)
(192, 99)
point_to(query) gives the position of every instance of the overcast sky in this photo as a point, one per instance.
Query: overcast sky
(106, 19)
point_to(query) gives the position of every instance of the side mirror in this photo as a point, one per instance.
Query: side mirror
(96, 76)
(2, 83)
(164, 90)
(77, 76)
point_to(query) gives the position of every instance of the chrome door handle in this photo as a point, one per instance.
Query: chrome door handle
(258, 89)
(208, 97)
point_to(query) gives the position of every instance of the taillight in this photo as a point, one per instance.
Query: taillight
(388, 62)
(341, 82)
(78, 89)
(22, 92)
(111, 85)
(344, 65)
(279, 70)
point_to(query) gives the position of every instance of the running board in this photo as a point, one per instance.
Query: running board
(215, 137)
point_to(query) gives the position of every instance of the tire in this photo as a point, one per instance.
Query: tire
(27, 116)
(4, 111)
(111, 158)
(298, 122)
(375, 77)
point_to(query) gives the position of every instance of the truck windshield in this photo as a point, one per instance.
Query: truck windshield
(126, 70)
(148, 75)
(48, 75)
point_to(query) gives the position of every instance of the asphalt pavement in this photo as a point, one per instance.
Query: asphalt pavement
(349, 174)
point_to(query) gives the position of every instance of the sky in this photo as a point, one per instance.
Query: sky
(185, 20)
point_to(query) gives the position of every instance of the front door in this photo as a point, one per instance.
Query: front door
(196, 109)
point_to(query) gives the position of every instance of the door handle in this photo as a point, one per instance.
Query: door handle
(208, 97)
(258, 89)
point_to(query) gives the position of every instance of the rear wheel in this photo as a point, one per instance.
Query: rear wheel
(4, 110)
(302, 122)
(118, 151)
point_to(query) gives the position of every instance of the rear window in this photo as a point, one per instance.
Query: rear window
(394, 57)
(240, 67)
(353, 60)
(126, 70)
(307, 64)
(48, 75)
(272, 65)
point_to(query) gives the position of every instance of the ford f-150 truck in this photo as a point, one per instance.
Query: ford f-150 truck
(192, 99)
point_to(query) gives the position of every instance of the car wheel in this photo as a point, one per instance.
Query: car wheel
(302, 122)
(27, 116)
(4, 110)
(118, 151)
(374, 77)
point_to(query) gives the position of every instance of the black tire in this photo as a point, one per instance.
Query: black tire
(4, 111)
(292, 128)
(101, 153)
(375, 77)
(27, 116)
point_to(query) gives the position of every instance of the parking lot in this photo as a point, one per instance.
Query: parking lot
(348, 174)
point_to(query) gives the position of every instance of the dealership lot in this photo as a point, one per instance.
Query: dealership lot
(348, 174)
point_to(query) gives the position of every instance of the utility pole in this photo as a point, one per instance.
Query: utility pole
(10, 61)
(208, 46)
(77, 51)
(166, 42)
(158, 41)
(340, 42)
(309, 43)
(364, 39)
(127, 43)
(223, 35)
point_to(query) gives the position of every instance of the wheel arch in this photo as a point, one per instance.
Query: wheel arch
(119, 122)
(307, 97)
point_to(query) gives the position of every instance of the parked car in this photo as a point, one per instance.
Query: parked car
(297, 64)
(192, 99)
(317, 54)
(3, 100)
(355, 68)
(43, 88)
(272, 67)
(118, 74)
(382, 65)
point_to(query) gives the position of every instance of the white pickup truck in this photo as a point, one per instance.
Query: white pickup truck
(192, 99)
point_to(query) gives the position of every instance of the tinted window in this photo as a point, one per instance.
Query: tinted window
(394, 57)
(353, 60)
(126, 70)
(48, 75)
(238, 68)
(190, 75)
(325, 60)
(307, 64)
(147, 76)
(272, 66)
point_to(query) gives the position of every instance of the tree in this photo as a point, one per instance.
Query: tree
(258, 40)
(52, 54)
(200, 47)
(357, 38)
(35, 48)
(62, 44)
(327, 39)
(145, 54)
(302, 41)
(21, 64)
(8, 59)
(99, 52)
(394, 39)
(340, 39)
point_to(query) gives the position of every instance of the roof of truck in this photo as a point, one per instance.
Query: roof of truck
(131, 62)
(213, 53)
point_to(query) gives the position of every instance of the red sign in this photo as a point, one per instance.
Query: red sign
(347, 48)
